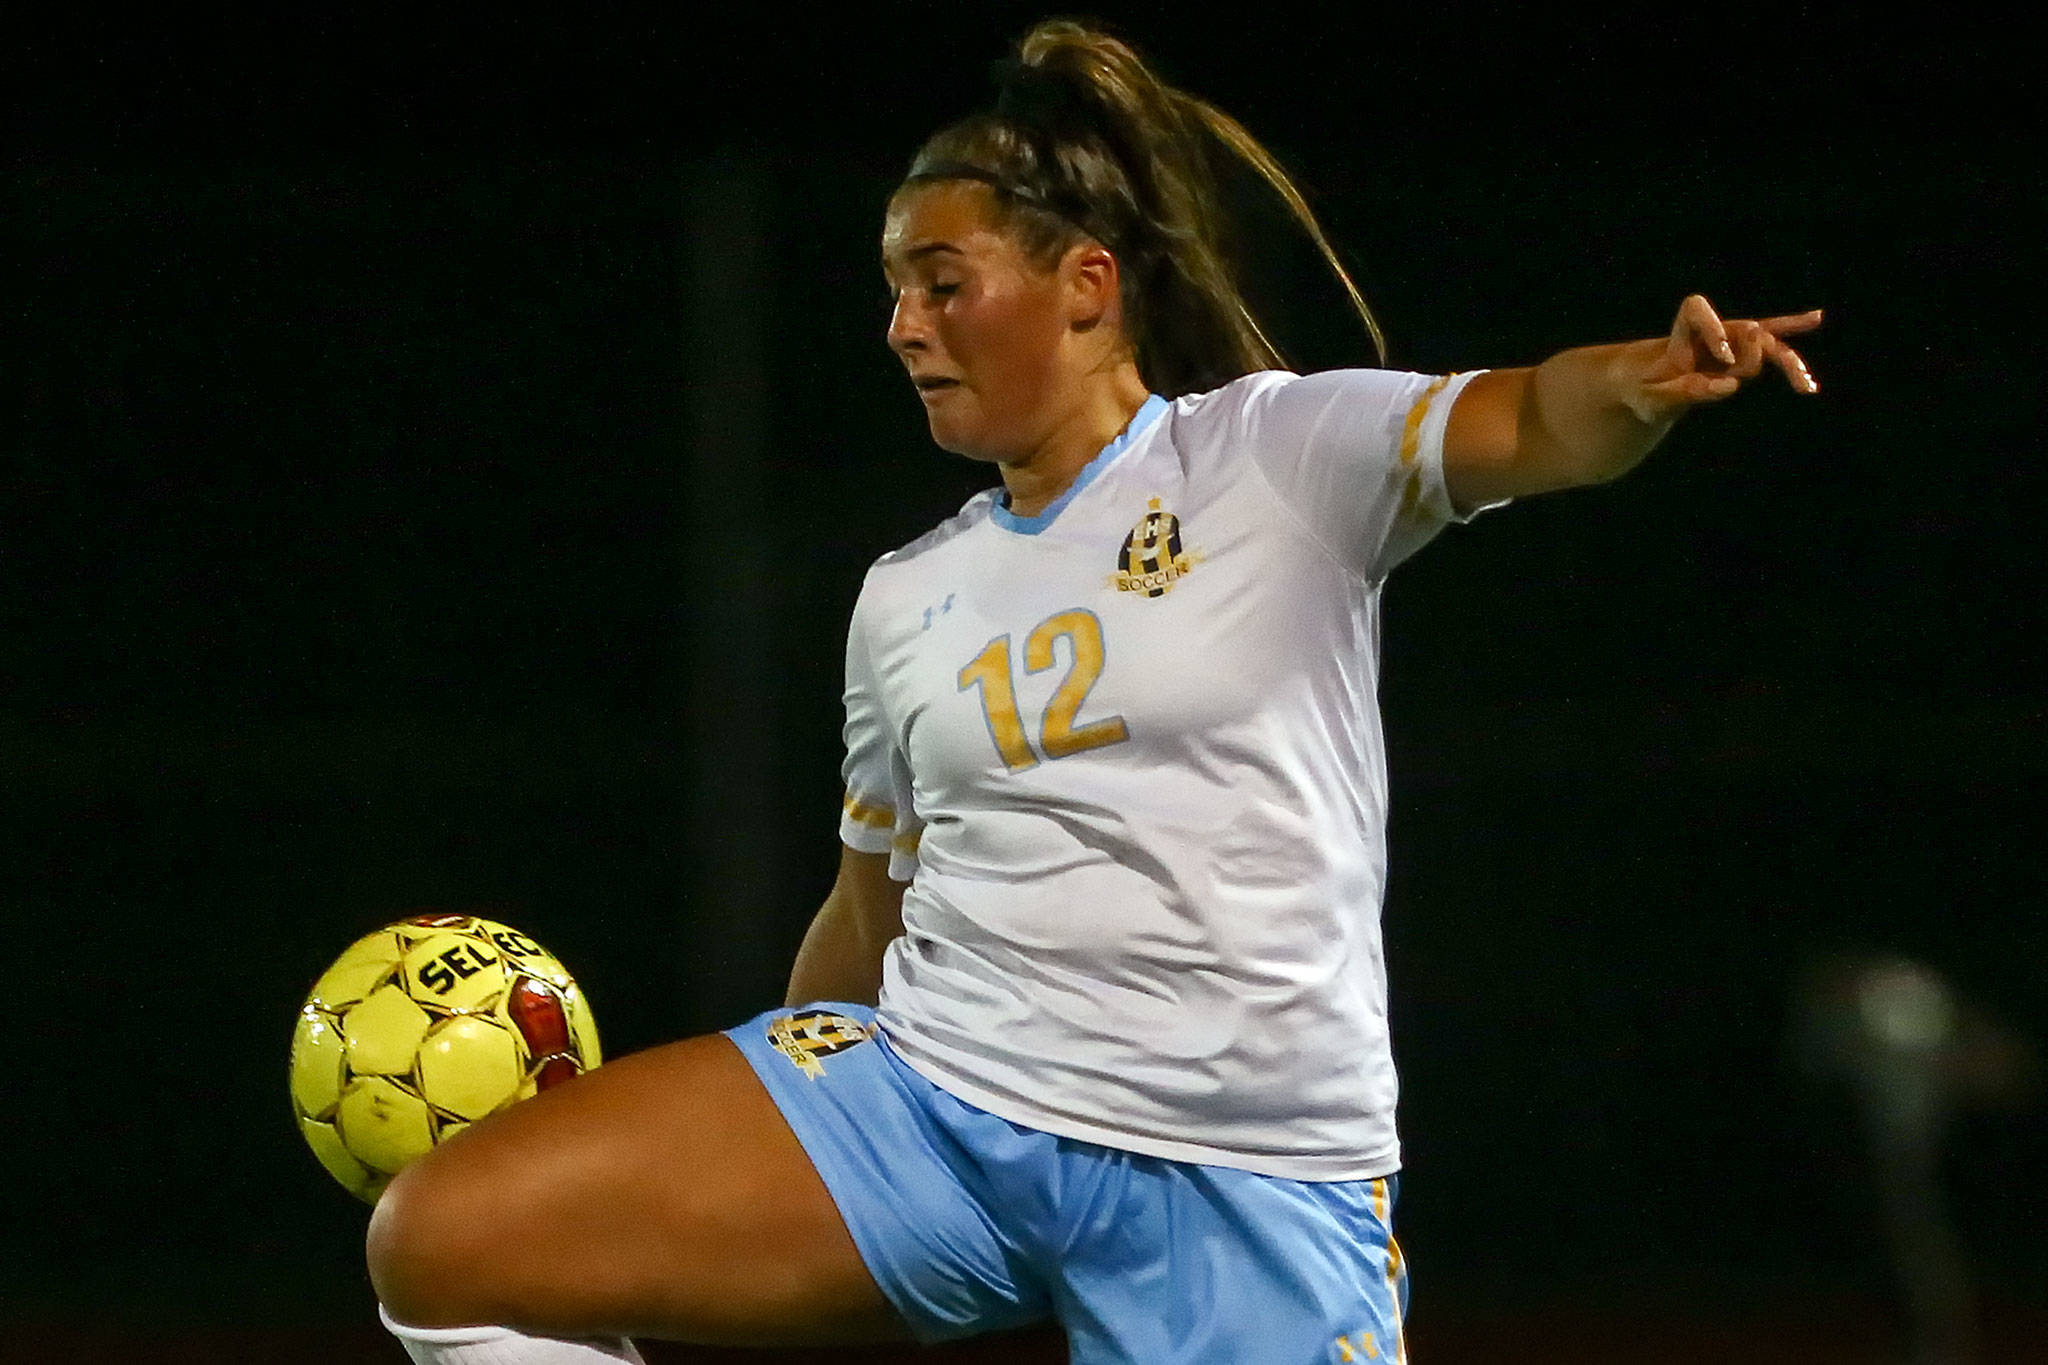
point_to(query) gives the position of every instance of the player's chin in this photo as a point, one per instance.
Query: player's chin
(954, 434)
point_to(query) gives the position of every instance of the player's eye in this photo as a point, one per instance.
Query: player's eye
(938, 290)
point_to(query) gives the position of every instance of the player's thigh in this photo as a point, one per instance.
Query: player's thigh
(662, 1195)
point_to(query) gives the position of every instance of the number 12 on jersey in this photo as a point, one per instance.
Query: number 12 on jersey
(1058, 735)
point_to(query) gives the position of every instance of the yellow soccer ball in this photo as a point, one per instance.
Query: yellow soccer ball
(421, 1029)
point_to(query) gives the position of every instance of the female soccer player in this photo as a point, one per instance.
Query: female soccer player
(1113, 829)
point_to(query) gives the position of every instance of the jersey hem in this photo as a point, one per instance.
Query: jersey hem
(865, 838)
(1435, 423)
(1309, 1169)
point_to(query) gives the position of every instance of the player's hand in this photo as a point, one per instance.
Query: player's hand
(1706, 359)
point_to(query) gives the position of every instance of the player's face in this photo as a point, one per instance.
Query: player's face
(979, 325)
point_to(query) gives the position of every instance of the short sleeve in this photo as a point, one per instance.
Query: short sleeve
(1357, 455)
(876, 816)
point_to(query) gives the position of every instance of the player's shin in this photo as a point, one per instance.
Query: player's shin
(502, 1346)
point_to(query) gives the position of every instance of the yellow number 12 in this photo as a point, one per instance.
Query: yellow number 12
(1058, 736)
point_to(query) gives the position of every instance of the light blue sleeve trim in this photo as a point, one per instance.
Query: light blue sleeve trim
(1000, 513)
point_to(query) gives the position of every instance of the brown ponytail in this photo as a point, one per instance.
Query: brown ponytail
(1086, 141)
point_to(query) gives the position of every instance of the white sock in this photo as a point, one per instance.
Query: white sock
(503, 1346)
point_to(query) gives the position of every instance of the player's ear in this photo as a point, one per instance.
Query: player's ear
(1092, 283)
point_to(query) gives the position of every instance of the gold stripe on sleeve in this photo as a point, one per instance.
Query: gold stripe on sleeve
(1411, 430)
(907, 843)
(868, 813)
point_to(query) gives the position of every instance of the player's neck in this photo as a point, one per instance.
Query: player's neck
(1097, 419)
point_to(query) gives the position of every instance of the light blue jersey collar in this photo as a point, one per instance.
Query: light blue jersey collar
(1001, 514)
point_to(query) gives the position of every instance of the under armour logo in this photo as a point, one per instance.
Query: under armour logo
(939, 610)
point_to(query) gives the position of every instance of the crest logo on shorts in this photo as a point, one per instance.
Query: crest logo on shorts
(1152, 559)
(809, 1035)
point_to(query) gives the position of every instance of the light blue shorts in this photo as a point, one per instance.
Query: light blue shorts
(971, 1223)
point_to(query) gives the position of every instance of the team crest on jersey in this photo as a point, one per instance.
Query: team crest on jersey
(808, 1036)
(1153, 558)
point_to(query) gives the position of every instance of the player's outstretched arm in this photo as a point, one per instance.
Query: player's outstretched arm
(1591, 414)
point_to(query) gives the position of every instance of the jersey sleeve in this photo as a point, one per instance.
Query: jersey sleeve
(876, 816)
(1357, 455)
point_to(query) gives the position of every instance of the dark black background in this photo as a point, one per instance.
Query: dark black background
(408, 403)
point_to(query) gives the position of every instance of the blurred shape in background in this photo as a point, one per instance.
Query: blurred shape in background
(1912, 1053)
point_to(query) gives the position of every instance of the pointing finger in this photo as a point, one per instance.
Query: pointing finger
(1791, 323)
(1796, 373)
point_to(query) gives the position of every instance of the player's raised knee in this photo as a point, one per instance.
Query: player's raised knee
(427, 1257)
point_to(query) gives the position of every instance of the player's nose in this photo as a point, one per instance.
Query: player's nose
(909, 331)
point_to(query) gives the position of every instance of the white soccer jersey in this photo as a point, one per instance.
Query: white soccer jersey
(1128, 755)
